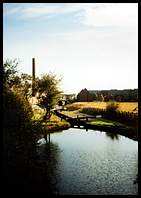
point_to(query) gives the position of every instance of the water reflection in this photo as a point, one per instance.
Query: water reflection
(43, 173)
(113, 136)
(136, 180)
(82, 163)
(90, 164)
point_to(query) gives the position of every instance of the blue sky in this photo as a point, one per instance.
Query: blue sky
(89, 45)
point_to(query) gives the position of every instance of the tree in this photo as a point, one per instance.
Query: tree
(9, 71)
(99, 97)
(15, 81)
(16, 107)
(106, 98)
(19, 133)
(25, 84)
(48, 89)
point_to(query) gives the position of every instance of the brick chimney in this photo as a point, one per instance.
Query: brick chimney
(33, 76)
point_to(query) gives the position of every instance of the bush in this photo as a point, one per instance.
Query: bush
(112, 107)
(17, 110)
(92, 111)
(88, 110)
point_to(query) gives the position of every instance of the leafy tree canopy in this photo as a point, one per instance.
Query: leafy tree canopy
(9, 71)
(48, 88)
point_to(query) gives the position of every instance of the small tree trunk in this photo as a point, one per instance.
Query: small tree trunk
(47, 116)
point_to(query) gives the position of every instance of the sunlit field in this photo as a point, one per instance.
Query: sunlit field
(122, 106)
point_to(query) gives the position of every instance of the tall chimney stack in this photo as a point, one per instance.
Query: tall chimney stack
(33, 76)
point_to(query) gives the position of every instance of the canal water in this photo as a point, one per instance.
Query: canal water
(81, 162)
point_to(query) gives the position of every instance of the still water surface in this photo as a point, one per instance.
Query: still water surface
(91, 163)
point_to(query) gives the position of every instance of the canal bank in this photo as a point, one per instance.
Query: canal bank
(61, 120)
(98, 123)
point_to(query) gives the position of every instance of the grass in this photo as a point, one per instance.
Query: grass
(73, 114)
(38, 113)
(105, 122)
(54, 124)
(99, 122)
(122, 106)
(94, 121)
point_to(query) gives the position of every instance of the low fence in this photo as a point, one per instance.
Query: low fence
(125, 117)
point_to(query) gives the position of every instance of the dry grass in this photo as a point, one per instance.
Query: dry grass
(122, 106)
(73, 114)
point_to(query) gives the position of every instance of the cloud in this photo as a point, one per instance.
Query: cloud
(39, 10)
(117, 14)
(35, 10)
(88, 14)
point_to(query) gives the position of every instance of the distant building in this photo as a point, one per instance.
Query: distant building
(84, 96)
(66, 99)
(129, 95)
(68, 96)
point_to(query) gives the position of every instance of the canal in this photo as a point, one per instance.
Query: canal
(80, 162)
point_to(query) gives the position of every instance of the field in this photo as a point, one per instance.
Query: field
(122, 106)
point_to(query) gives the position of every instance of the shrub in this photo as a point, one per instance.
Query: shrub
(111, 107)
(17, 109)
(90, 111)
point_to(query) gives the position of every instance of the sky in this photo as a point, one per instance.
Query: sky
(88, 45)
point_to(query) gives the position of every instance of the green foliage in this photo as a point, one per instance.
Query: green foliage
(55, 124)
(9, 71)
(102, 123)
(38, 114)
(24, 84)
(48, 88)
(15, 81)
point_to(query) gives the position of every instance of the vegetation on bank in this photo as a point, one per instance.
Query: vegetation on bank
(50, 125)
(109, 110)
(113, 114)
(55, 124)
(100, 121)
(47, 88)
(104, 122)
(122, 122)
